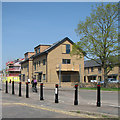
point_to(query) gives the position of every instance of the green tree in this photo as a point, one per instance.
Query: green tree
(99, 36)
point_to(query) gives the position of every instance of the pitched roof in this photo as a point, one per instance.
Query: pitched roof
(91, 63)
(42, 45)
(53, 46)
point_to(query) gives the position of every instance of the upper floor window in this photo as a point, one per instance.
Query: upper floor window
(91, 69)
(66, 61)
(36, 51)
(67, 48)
(34, 66)
(43, 61)
(99, 69)
(26, 56)
(39, 50)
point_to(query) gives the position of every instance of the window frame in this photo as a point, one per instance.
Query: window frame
(36, 51)
(34, 66)
(39, 50)
(44, 76)
(44, 60)
(66, 61)
(92, 69)
(67, 48)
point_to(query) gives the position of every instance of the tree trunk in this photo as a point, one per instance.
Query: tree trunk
(105, 77)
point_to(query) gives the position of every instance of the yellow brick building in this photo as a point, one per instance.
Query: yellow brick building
(93, 71)
(53, 64)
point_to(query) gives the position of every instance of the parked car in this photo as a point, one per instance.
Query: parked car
(93, 81)
(101, 82)
(110, 80)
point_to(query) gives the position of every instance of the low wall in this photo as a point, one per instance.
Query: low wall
(92, 85)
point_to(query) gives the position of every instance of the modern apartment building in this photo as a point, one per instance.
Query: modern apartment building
(13, 69)
(53, 64)
(93, 71)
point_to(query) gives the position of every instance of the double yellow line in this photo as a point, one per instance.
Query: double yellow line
(52, 110)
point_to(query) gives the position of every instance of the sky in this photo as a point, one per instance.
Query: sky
(28, 24)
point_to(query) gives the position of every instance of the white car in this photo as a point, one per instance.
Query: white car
(93, 81)
(112, 80)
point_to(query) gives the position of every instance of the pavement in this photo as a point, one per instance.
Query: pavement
(33, 107)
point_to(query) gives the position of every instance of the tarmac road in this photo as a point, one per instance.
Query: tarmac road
(48, 108)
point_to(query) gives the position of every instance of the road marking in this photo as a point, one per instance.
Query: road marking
(114, 106)
(52, 110)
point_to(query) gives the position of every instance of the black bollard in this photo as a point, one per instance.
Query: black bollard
(27, 90)
(20, 89)
(56, 93)
(41, 91)
(6, 87)
(98, 96)
(13, 88)
(76, 95)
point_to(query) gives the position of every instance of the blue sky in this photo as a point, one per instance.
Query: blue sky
(26, 25)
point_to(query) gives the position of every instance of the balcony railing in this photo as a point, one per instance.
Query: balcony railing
(67, 67)
(14, 74)
(13, 69)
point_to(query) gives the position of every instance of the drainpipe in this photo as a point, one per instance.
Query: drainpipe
(46, 69)
(79, 73)
(59, 75)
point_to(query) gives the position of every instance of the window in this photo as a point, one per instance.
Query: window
(34, 76)
(67, 48)
(91, 69)
(99, 69)
(84, 78)
(43, 61)
(88, 70)
(36, 51)
(43, 76)
(34, 66)
(39, 50)
(39, 63)
(26, 56)
(66, 61)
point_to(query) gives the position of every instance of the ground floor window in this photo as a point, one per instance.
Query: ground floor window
(34, 76)
(91, 78)
(39, 77)
(23, 78)
(84, 78)
(99, 78)
(43, 76)
(111, 76)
